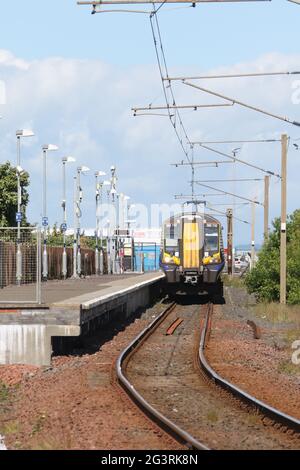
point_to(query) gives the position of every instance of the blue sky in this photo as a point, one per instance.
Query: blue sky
(106, 63)
(207, 36)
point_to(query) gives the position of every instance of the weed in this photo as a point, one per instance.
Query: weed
(287, 367)
(212, 416)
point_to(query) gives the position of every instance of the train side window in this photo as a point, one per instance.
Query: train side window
(212, 239)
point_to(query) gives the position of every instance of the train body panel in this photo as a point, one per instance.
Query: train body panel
(192, 255)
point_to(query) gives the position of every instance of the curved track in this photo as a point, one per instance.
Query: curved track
(161, 375)
(276, 415)
(166, 424)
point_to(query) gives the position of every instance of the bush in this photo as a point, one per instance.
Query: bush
(264, 279)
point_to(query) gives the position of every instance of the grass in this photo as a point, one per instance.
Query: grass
(4, 392)
(39, 423)
(254, 418)
(212, 416)
(12, 427)
(287, 367)
(278, 313)
(232, 281)
(52, 443)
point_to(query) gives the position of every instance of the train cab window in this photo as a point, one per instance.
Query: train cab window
(212, 239)
(172, 235)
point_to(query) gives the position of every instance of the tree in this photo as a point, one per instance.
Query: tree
(264, 279)
(9, 197)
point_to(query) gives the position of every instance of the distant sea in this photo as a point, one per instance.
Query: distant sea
(247, 247)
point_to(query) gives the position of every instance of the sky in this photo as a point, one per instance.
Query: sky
(73, 78)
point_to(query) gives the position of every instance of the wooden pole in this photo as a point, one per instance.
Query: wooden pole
(253, 236)
(284, 141)
(229, 242)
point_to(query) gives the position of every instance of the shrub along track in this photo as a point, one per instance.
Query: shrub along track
(164, 370)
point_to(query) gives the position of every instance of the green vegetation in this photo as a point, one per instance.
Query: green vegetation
(264, 279)
(230, 281)
(212, 416)
(287, 367)
(4, 392)
(12, 427)
(8, 195)
(55, 238)
(39, 423)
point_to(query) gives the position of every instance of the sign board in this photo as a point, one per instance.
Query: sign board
(19, 217)
(63, 227)
(122, 233)
(45, 222)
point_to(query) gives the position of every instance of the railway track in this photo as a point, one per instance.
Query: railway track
(169, 378)
(277, 416)
(166, 424)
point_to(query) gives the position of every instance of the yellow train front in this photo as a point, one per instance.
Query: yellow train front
(192, 255)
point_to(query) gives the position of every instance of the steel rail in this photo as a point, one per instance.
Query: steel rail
(163, 422)
(267, 410)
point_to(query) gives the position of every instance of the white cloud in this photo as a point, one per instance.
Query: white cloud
(84, 106)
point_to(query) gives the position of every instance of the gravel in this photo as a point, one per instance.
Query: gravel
(163, 370)
(75, 404)
(262, 367)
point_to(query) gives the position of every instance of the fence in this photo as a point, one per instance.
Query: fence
(20, 257)
(87, 262)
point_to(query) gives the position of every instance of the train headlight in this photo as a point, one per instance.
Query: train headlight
(167, 259)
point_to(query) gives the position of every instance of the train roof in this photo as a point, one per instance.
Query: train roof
(206, 217)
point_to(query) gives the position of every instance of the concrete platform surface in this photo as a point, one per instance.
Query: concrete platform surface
(57, 291)
(72, 308)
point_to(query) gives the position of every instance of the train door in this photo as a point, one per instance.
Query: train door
(192, 241)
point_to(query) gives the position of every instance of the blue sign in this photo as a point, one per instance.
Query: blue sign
(45, 222)
(19, 217)
(63, 227)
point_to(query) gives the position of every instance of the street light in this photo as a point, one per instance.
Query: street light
(78, 196)
(98, 260)
(64, 226)
(234, 152)
(20, 171)
(45, 223)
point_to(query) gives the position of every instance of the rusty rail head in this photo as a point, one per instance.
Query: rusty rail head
(172, 328)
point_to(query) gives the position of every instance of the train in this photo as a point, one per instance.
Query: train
(192, 254)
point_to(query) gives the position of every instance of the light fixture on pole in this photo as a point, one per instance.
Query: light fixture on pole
(98, 261)
(78, 196)
(113, 219)
(64, 226)
(45, 222)
(234, 154)
(19, 215)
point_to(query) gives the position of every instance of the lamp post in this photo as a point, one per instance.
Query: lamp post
(98, 261)
(78, 196)
(65, 160)
(108, 239)
(19, 134)
(113, 225)
(104, 183)
(113, 217)
(45, 223)
(234, 154)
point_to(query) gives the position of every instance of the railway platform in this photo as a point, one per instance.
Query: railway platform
(69, 309)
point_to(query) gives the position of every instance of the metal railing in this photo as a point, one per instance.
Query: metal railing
(20, 265)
